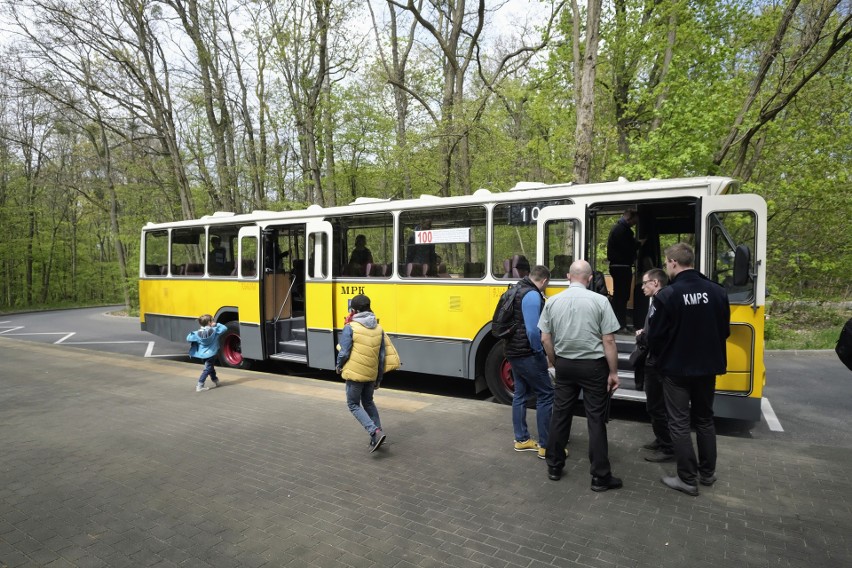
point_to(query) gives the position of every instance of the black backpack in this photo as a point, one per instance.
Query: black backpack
(503, 320)
(844, 344)
(598, 283)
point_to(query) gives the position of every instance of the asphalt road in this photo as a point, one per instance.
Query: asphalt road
(807, 395)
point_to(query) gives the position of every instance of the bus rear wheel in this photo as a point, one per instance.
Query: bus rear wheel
(230, 348)
(498, 375)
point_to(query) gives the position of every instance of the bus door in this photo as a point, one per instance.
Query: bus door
(560, 240)
(733, 254)
(251, 344)
(319, 297)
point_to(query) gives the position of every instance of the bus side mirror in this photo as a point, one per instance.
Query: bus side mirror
(742, 265)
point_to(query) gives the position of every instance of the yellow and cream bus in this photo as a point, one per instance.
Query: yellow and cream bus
(434, 268)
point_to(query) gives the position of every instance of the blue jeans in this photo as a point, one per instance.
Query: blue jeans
(530, 375)
(359, 398)
(208, 371)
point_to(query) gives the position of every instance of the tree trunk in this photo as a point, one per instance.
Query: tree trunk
(584, 133)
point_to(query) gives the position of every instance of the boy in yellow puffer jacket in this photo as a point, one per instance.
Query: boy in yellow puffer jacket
(361, 362)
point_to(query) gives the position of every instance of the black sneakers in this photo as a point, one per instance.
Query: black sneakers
(606, 483)
(707, 481)
(554, 473)
(660, 457)
(378, 439)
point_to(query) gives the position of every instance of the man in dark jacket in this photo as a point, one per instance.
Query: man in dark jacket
(621, 247)
(687, 334)
(526, 356)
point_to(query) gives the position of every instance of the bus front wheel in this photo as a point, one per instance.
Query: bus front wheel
(498, 375)
(230, 348)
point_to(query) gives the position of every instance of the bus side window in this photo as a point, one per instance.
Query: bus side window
(442, 242)
(156, 253)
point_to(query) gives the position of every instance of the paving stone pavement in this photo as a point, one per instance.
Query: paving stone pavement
(114, 461)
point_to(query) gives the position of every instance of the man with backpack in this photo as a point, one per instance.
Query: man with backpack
(526, 356)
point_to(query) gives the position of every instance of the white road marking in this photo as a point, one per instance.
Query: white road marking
(12, 329)
(769, 416)
(66, 335)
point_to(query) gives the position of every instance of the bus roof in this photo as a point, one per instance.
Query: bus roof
(523, 191)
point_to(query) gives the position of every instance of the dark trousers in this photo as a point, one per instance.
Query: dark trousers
(691, 398)
(621, 277)
(655, 402)
(572, 377)
(208, 371)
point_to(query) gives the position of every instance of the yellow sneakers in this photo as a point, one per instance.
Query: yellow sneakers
(542, 451)
(527, 446)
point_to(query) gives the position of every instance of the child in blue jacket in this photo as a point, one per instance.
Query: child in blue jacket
(205, 346)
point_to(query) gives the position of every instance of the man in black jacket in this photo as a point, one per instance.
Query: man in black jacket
(621, 247)
(687, 334)
(526, 356)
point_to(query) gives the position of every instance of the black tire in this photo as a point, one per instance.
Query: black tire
(498, 375)
(230, 348)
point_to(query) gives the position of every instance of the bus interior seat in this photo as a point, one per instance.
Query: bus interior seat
(414, 270)
(442, 271)
(510, 267)
(193, 269)
(375, 269)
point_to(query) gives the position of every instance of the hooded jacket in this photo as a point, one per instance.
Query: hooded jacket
(205, 341)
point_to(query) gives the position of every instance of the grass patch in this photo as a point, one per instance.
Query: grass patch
(804, 325)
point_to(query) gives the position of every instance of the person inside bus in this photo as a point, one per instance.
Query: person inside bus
(361, 259)
(522, 267)
(419, 255)
(217, 258)
(621, 247)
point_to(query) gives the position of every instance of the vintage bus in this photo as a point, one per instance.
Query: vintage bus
(434, 268)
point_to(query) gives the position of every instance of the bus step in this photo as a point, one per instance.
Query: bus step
(293, 347)
(623, 393)
(292, 357)
(298, 334)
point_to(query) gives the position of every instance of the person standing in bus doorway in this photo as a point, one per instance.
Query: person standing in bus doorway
(652, 282)
(621, 247)
(686, 335)
(361, 363)
(525, 354)
(577, 331)
(204, 345)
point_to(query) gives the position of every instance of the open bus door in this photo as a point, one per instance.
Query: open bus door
(319, 296)
(734, 255)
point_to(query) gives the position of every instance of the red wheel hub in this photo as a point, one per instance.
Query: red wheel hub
(232, 350)
(506, 376)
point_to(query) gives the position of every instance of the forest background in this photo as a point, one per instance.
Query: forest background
(114, 113)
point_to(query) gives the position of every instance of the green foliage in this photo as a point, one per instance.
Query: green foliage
(672, 80)
(804, 325)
